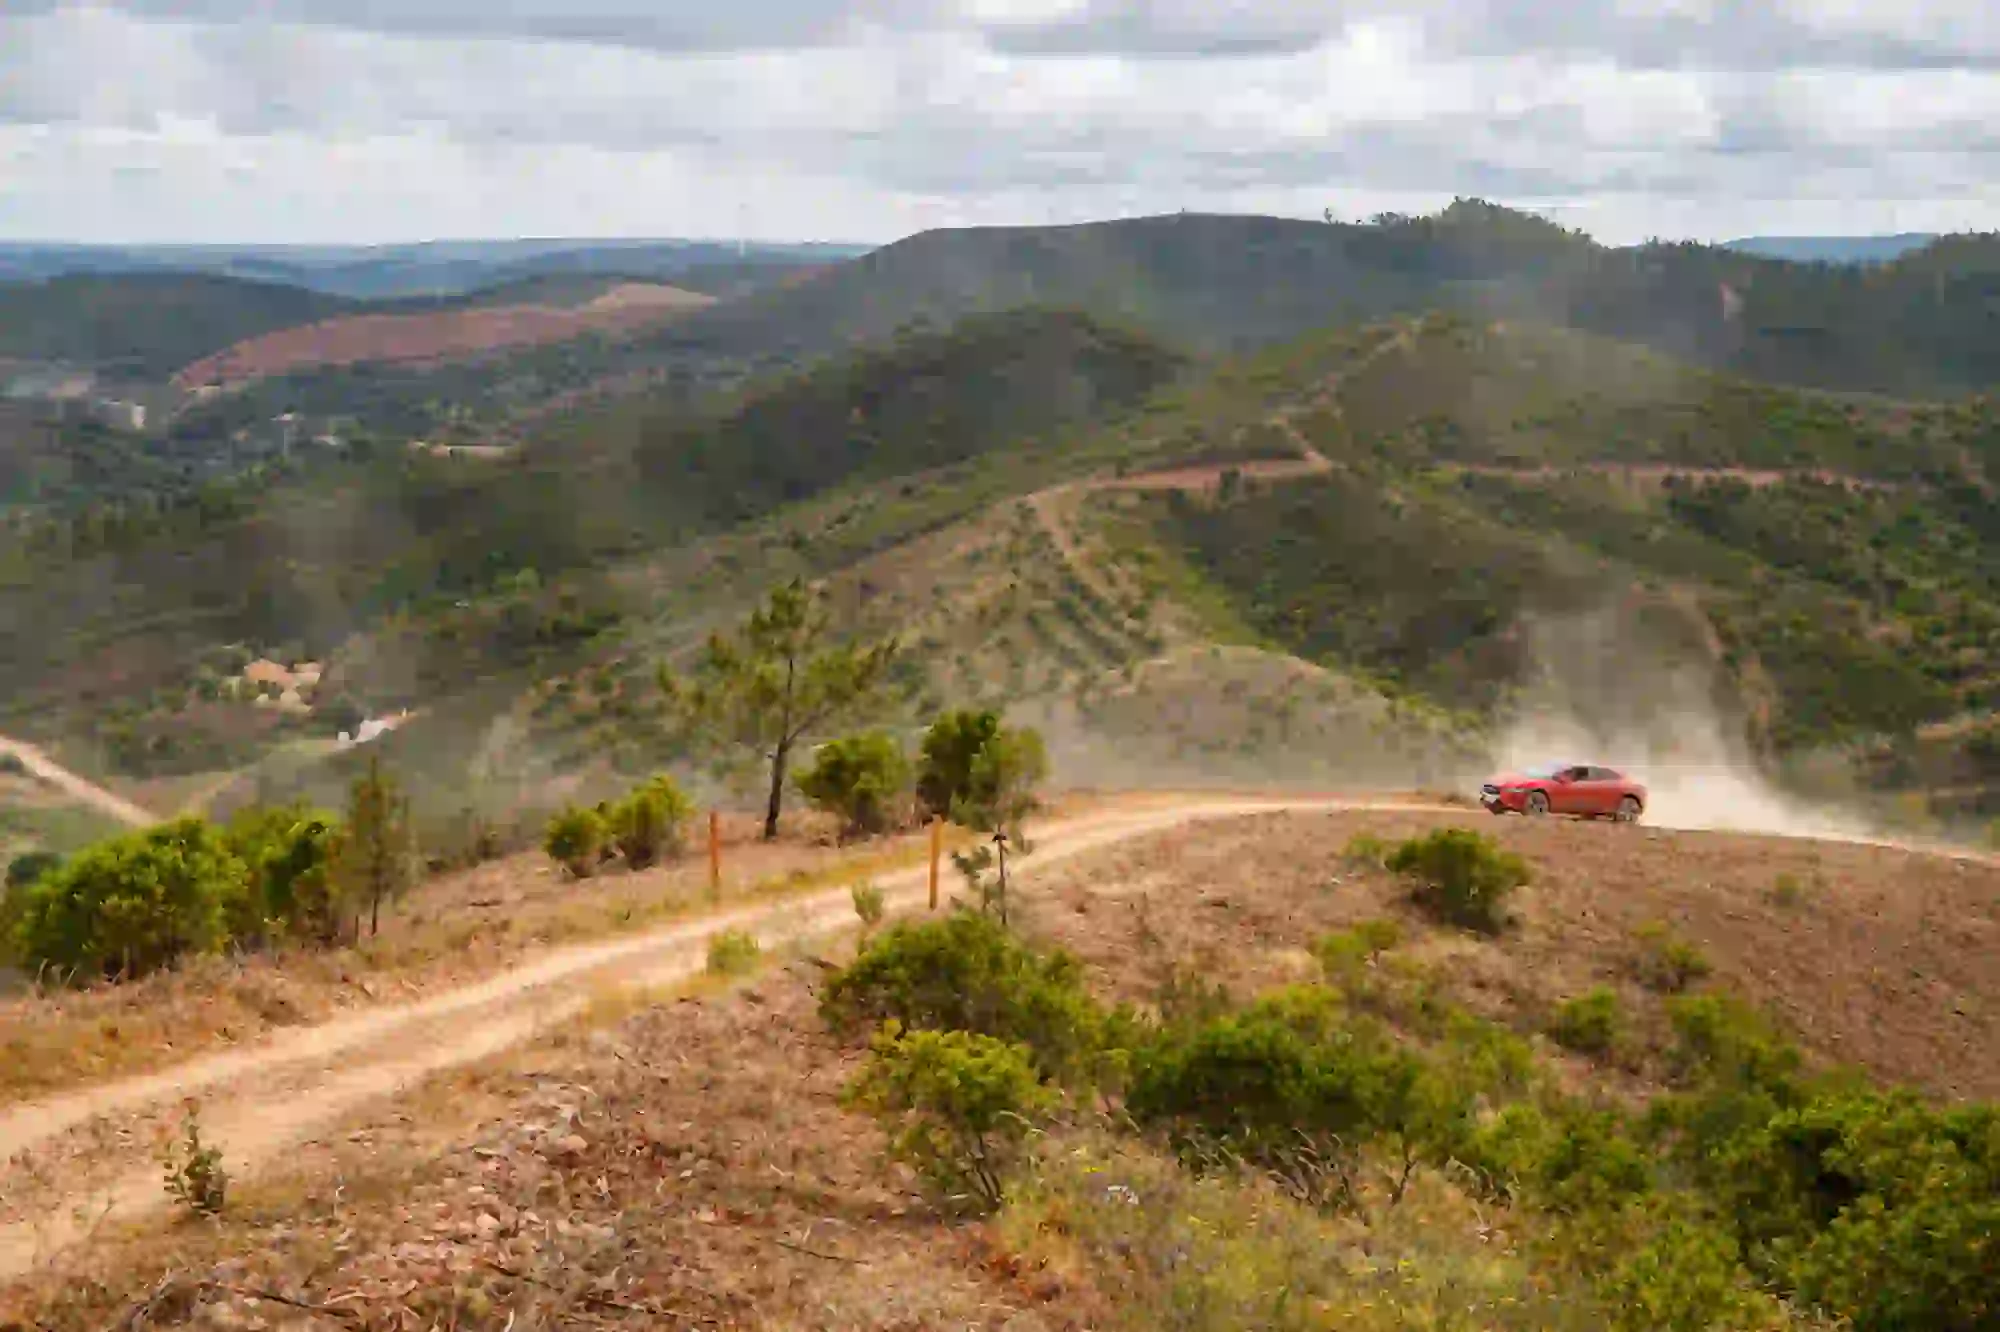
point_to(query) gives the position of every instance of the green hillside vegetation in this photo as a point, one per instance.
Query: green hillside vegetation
(1492, 475)
(147, 326)
(920, 402)
(461, 572)
(1915, 327)
(1486, 477)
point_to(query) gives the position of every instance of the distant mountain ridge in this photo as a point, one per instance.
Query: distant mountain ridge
(424, 268)
(1833, 249)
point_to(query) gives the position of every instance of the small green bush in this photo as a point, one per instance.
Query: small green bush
(133, 904)
(650, 824)
(1666, 962)
(289, 850)
(1592, 1023)
(859, 778)
(733, 953)
(1787, 891)
(195, 1179)
(1461, 877)
(967, 973)
(1291, 1085)
(1346, 955)
(1365, 848)
(950, 747)
(979, 771)
(868, 904)
(24, 869)
(959, 1108)
(576, 840)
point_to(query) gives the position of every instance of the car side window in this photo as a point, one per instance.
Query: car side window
(1579, 774)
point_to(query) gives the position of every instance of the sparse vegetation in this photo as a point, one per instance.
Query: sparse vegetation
(777, 680)
(134, 904)
(868, 904)
(195, 1178)
(733, 953)
(1666, 962)
(1461, 877)
(967, 973)
(980, 771)
(576, 839)
(649, 825)
(863, 779)
(1593, 1023)
(959, 1108)
(375, 857)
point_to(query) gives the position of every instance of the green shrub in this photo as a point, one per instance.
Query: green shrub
(1787, 891)
(195, 1179)
(576, 840)
(979, 771)
(1592, 1023)
(133, 904)
(650, 824)
(1290, 1085)
(959, 1108)
(1346, 955)
(868, 904)
(24, 869)
(1006, 776)
(1461, 877)
(1680, 1273)
(289, 850)
(733, 953)
(858, 778)
(1365, 848)
(966, 973)
(1875, 1207)
(1666, 962)
(953, 742)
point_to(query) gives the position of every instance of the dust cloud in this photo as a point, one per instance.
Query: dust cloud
(1648, 697)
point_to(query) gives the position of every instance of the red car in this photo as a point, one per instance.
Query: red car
(1573, 788)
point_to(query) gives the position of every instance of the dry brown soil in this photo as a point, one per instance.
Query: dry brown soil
(690, 1164)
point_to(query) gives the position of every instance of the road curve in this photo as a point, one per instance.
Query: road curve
(281, 1091)
(47, 770)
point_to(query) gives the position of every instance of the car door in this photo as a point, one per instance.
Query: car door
(1601, 790)
(1569, 792)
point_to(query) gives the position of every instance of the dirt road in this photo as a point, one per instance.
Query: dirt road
(43, 768)
(259, 1100)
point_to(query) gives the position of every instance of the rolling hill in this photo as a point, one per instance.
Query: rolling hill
(1834, 249)
(1387, 519)
(421, 269)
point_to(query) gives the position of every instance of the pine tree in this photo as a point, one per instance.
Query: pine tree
(376, 859)
(778, 679)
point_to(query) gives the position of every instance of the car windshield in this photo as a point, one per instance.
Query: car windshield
(1543, 770)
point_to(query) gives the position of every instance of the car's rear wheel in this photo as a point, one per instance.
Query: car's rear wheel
(1538, 803)
(1628, 810)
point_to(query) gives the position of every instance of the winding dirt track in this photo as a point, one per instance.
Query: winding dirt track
(46, 769)
(260, 1100)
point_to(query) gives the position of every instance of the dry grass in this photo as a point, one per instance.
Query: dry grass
(688, 1163)
(688, 1166)
(1890, 961)
(455, 928)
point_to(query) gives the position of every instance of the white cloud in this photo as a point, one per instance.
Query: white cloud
(317, 119)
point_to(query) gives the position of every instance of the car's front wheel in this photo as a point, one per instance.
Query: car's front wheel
(1628, 810)
(1538, 803)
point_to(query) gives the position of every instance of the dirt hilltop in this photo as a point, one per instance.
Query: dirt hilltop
(436, 336)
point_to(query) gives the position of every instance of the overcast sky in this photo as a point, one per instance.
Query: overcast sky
(382, 120)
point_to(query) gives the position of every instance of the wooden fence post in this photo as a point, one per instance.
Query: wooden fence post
(937, 845)
(715, 855)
